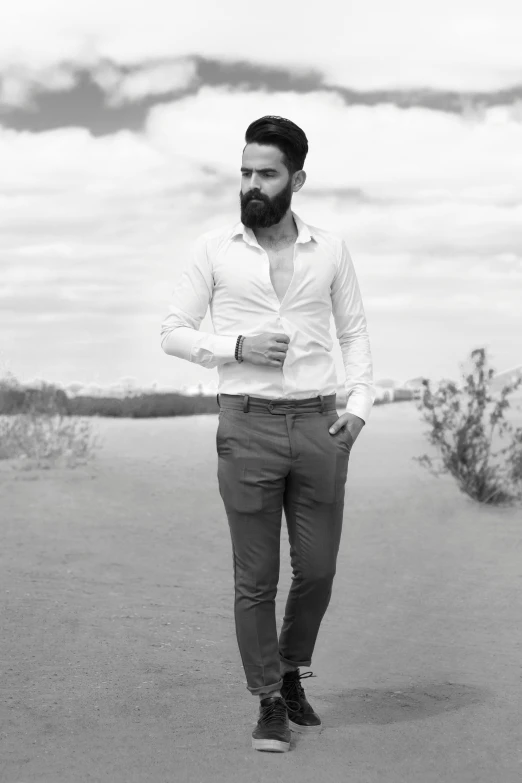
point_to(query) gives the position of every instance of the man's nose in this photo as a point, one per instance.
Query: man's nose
(255, 183)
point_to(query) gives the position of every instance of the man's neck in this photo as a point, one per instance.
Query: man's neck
(280, 233)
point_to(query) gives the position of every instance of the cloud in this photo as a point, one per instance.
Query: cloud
(391, 181)
(443, 45)
(72, 161)
(19, 84)
(106, 96)
(388, 153)
(144, 81)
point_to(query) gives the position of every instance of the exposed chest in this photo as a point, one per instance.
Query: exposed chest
(245, 277)
(281, 269)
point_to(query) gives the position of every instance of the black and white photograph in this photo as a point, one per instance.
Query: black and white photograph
(261, 392)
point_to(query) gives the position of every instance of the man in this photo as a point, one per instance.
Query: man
(272, 283)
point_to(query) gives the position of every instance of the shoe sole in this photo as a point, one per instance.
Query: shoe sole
(275, 746)
(305, 729)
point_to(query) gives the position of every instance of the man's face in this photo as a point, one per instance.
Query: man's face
(266, 186)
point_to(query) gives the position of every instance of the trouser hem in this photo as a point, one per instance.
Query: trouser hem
(297, 664)
(267, 689)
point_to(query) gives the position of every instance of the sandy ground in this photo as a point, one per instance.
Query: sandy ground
(118, 653)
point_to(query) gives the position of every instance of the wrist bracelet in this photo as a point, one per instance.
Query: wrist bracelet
(239, 348)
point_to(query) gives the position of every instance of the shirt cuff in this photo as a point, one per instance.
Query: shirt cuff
(225, 348)
(359, 408)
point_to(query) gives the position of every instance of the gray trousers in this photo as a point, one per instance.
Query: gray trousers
(275, 455)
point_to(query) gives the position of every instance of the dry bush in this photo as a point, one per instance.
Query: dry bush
(463, 421)
(43, 435)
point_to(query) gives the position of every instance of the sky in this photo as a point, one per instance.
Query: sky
(121, 131)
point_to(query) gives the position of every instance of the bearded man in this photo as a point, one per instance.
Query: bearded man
(272, 283)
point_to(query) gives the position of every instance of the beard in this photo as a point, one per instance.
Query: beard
(267, 211)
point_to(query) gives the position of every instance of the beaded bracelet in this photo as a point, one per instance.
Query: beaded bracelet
(239, 348)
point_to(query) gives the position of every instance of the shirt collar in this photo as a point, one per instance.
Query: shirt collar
(303, 232)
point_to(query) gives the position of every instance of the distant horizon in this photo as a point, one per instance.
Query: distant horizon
(211, 387)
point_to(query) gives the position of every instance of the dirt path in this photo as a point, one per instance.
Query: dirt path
(118, 654)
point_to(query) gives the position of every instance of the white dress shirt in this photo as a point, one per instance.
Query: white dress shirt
(230, 271)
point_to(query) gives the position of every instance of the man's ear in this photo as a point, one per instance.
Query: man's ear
(299, 180)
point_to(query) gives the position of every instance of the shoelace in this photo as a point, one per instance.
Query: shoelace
(273, 713)
(296, 689)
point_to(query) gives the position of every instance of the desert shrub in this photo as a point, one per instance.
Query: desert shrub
(400, 395)
(42, 433)
(46, 398)
(463, 422)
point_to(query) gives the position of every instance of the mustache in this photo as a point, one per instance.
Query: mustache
(253, 195)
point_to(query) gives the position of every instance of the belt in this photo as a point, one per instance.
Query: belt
(246, 403)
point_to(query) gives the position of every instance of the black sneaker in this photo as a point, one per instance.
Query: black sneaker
(301, 716)
(272, 731)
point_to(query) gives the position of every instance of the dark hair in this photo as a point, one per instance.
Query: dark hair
(283, 134)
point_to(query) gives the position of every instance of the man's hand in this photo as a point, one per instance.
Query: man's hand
(351, 422)
(266, 349)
